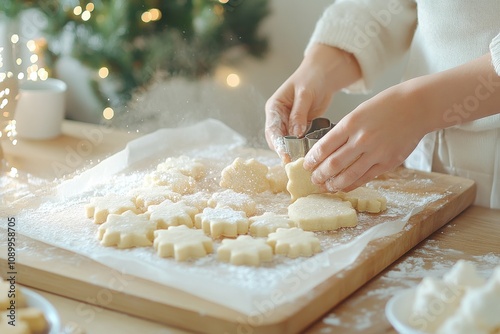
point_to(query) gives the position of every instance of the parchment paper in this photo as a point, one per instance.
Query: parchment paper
(60, 221)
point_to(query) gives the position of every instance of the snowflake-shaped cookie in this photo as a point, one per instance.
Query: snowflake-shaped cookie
(245, 176)
(100, 207)
(169, 213)
(223, 222)
(365, 199)
(231, 199)
(299, 180)
(198, 199)
(127, 230)
(175, 180)
(146, 196)
(294, 242)
(322, 212)
(244, 250)
(277, 179)
(184, 164)
(182, 243)
(261, 226)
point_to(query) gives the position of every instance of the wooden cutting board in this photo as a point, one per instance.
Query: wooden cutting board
(80, 278)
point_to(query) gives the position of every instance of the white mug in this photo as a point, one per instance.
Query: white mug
(40, 109)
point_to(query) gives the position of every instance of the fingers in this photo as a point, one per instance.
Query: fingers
(372, 172)
(300, 111)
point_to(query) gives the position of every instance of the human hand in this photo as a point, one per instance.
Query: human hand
(374, 138)
(307, 93)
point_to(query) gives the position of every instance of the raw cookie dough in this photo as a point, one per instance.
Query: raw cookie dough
(184, 164)
(322, 212)
(234, 200)
(182, 243)
(100, 207)
(299, 180)
(365, 199)
(222, 222)
(261, 226)
(244, 250)
(294, 242)
(34, 318)
(20, 328)
(277, 178)
(146, 196)
(168, 214)
(245, 176)
(172, 178)
(127, 230)
(199, 200)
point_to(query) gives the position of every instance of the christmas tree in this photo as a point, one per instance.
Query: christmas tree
(131, 41)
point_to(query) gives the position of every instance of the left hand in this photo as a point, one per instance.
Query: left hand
(374, 138)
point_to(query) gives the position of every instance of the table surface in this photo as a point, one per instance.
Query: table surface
(473, 236)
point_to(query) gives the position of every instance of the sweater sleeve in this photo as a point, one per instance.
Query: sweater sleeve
(376, 32)
(495, 53)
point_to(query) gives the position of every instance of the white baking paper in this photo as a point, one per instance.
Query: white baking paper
(60, 221)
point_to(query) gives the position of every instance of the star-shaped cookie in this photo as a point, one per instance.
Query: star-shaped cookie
(294, 242)
(234, 200)
(100, 207)
(127, 230)
(244, 250)
(182, 243)
(222, 222)
(168, 214)
(245, 176)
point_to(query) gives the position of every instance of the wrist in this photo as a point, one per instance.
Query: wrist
(339, 67)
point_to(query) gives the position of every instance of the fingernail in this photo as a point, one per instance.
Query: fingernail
(298, 130)
(329, 186)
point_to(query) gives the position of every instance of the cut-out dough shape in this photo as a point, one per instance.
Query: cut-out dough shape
(244, 250)
(100, 207)
(299, 180)
(269, 222)
(146, 196)
(322, 212)
(175, 180)
(278, 179)
(294, 242)
(35, 319)
(222, 222)
(182, 243)
(184, 164)
(236, 201)
(168, 214)
(198, 199)
(245, 176)
(21, 327)
(365, 199)
(127, 230)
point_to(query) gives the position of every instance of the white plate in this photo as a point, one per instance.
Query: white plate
(398, 311)
(33, 299)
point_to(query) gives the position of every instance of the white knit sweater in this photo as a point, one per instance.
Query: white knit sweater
(439, 34)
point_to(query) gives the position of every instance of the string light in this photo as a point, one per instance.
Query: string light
(154, 14)
(77, 10)
(108, 113)
(223, 1)
(90, 7)
(14, 39)
(103, 72)
(34, 58)
(86, 15)
(233, 80)
(31, 45)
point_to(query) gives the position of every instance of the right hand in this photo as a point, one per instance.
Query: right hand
(306, 94)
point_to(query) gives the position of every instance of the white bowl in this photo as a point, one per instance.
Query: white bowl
(33, 299)
(398, 311)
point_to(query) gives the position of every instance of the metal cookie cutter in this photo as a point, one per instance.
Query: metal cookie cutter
(297, 147)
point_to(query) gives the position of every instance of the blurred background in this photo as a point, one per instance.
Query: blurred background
(141, 65)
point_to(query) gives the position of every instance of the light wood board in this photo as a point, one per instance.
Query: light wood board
(80, 278)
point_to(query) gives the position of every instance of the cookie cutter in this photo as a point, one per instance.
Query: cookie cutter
(297, 147)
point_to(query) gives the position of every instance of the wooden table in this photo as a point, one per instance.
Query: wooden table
(473, 235)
